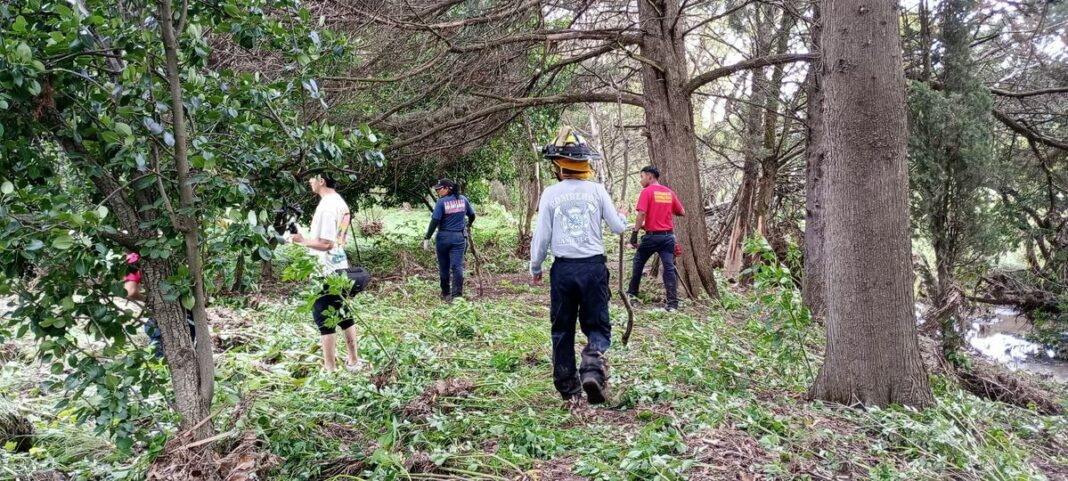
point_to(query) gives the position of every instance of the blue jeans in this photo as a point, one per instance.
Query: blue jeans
(155, 337)
(579, 291)
(663, 244)
(451, 247)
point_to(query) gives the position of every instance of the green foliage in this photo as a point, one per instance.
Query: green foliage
(787, 317)
(689, 392)
(85, 149)
(952, 167)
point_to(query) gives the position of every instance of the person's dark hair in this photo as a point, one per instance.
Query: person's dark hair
(453, 187)
(330, 181)
(652, 170)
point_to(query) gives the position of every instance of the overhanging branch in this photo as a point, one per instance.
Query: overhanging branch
(509, 103)
(712, 75)
(1028, 93)
(1028, 133)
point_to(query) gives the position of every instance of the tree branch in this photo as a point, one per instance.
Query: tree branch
(1028, 93)
(509, 103)
(622, 37)
(712, 75)
(1028, 133)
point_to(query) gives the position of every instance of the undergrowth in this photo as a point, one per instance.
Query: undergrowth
(465, 391)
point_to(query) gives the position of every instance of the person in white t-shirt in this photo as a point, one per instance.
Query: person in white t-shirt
(326, 240)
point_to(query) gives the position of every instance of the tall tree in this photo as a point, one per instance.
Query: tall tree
(950, 151)
(872, 354)
(815, 264)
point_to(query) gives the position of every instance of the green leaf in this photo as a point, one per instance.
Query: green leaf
(34, 245)
(252, 218)
(7, 188)
(23, 52)
(231, 10)
(188, 302)
(124, 129)
(102, 211)
(63, 242)
(124, 443)
(3, 104)
(265, 253)
(20, 24)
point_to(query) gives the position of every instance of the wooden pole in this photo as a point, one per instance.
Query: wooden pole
(622, 239)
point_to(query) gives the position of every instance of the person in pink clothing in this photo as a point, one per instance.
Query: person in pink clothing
(132, 283)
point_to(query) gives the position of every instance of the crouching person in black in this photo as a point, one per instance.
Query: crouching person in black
(326, 240)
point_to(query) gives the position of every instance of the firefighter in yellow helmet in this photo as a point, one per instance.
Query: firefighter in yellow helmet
(569, 224)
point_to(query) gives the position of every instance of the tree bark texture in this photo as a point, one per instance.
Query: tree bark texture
(188, 226)
(872, 355)
(672, 140)
(178, 350)
(812, 289)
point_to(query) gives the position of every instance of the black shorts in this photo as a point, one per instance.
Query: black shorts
(328, 307)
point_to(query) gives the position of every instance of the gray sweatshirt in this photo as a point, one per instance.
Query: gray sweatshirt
(569, 219)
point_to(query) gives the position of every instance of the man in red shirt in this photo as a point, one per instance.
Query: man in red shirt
(657, 206)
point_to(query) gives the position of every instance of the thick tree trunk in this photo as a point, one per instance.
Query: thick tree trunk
(189, 227)
(812, 289)
(872, 355)
(178, 349)
(672, 140)
(178, 346)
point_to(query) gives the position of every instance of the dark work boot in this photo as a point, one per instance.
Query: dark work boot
(594, 376)
(594, 389)
(570, 390)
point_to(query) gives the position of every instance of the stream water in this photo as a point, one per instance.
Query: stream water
(1001, 335)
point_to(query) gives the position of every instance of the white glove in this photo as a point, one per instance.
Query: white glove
(426, 244)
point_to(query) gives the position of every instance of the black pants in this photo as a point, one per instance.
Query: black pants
(330, 306)
(663, 244)
(451, 247)
(579, 291)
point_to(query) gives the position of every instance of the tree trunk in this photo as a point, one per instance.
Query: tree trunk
(872, 355)
(239, 274)
(178, 349)
(769, 166)
(672, 140)
(755, 112)
(189, 227)
(812, 289)
(178, 346)
(532, 195)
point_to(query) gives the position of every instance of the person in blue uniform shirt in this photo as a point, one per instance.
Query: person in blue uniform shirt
(450, 214)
